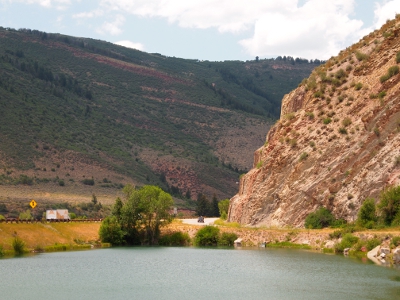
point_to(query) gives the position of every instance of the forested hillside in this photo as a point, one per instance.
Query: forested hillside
(78, 113)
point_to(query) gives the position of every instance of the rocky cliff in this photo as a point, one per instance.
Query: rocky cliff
(337, 141)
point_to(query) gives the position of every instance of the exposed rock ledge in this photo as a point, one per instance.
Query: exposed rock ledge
(335, 144)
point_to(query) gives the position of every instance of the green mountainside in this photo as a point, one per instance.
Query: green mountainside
(83, 112)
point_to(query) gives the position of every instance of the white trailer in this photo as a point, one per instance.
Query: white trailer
(57, 214)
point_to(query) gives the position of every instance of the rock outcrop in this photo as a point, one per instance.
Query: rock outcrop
(337, 141)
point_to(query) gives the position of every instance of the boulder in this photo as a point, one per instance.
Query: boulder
(396, 255)
(330, 244)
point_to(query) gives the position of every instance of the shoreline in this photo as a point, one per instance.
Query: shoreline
(50, 237)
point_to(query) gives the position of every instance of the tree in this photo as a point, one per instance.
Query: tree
(389, 205)
(366, 214)
(319, 219)
(26, 215)
(214, 207)
(111, 231)
(207, 236)
(144, 212)
(202, 205)
(94, 199)
(223, 206)
(117, 208)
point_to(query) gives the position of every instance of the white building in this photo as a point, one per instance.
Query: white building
(57, 214)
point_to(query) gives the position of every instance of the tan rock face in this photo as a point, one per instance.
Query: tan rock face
(337, 141)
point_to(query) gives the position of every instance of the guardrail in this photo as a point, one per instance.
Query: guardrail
(16, 220)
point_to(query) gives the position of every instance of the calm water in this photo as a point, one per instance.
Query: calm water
(194, 273)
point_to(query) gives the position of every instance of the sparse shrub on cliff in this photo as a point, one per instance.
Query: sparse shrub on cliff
(289, 116)
(293, 143)
(319, 219)
(358, 86)
(310, 115)
(361, 56)
(398, 57)
(303, 156)
(346, 122)
(377, 131)
(327, 121)
(390, 73)
(259, 164)
(397, 161)
(342, 130)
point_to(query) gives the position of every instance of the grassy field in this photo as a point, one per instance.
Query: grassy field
(43, 235)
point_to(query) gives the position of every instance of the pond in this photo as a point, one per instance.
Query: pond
(194, 273)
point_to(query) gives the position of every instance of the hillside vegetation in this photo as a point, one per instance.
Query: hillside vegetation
(79, 116)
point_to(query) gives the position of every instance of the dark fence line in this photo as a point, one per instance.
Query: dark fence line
(16, 220)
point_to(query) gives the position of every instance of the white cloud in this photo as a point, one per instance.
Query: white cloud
(89, 15)
(386, 11)
(114, 27)
(319, 29)
(45, 3)
(225, 15)
(129, 44)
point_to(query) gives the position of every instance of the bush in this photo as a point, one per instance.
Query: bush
(372, 243)
(395, 241)
(327, 121)
(358, 86)
(361, 56)
(227, 239)
(18, 246)
(389, 205)
(303, 156)
(111, 232)
(88, 181)
(1, 251)
(390, 73)
(319, 219)
(348, 241)
(367, 213)
(346, 122)
(207, 236)
(398, 57)
(175, 239)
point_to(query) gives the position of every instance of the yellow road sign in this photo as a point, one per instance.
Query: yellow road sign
(33, 203)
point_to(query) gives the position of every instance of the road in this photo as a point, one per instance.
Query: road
(207, 221)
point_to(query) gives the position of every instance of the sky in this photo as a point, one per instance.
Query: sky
(214, 30)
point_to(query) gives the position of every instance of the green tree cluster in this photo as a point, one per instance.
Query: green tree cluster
(223, 207)
(137, 220)
(210, 236)
(319, 219)
(207, 208)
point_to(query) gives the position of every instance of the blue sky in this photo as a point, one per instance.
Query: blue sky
(213, 30)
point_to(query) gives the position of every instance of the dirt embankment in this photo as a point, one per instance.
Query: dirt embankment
(48, 234)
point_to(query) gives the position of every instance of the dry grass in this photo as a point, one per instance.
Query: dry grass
(48, 234)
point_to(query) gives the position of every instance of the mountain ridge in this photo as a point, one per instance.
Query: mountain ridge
(337, 141)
